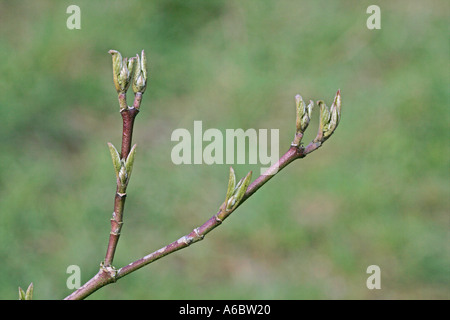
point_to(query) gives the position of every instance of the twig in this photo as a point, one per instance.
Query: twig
(125, 72)
(107, 275)
(128, 116)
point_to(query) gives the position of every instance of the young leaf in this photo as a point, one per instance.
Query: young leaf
(26, 295)
(231, 184)
(324, 115)
(335, 111)
(29, 293)
(243, 187)
(239, 192)
(21, 294)
(324, 121)
(300, 104)
(130, 160)
(117, 67)
(115, 158)
(140, 76)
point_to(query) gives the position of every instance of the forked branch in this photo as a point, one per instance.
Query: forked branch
(135, 70)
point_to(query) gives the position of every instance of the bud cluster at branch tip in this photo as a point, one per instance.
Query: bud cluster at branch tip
(128, 71)
(329, 120)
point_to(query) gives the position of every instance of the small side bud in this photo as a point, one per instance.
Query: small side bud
(230, 203)
(122, 167)
(231, 184)
(21, 294)
(236, 193)
(242, 186)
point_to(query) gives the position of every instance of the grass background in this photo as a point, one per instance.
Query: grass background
(376, 193)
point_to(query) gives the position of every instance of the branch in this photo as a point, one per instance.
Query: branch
(108, 274)
(123, 176)
(235, 196)
(216, 220)
(124, 72)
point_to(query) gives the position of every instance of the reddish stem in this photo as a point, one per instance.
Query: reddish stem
(128, 116)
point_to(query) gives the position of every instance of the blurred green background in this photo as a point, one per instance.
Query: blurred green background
(377, 193)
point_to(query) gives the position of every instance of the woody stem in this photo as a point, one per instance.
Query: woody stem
(128, 116)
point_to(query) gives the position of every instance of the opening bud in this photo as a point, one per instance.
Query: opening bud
(140, 74)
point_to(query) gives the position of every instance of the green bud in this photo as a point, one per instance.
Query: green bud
(125, 75)
(123, 175)
(131, 65)
(29, 293)
(303, 113)
(329, 118)
(26, 295)
(236, 193)
(21, 294)
(122, 167)
(144, 64)
(324, 115)
(335, 110)
(117, 61)
(230, 203)
(140, 74)
(122, 71)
